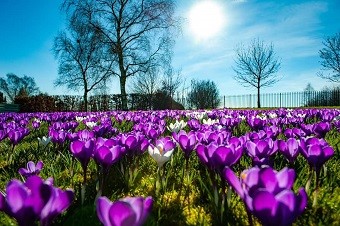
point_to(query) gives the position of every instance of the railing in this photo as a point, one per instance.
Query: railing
(287, 99)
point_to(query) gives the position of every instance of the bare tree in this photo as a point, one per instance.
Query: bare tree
(330, 58)
(82, 63)
(203, 94)
(256, 65)
(308, 94)
(147, 84)
(171, 81)
(137, 32)
(14, 84)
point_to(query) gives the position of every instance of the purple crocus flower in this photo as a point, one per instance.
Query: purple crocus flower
(294, 132)
(31, 169)
(216, 157)
(257, 123)
(107, 153)
(268, 194)
(85, 135)
(57, 136)
(307, 129)
(194, 124)
(134, 143)
(316, 152)
(205, 152)
(187, 142)
(129, 211)
(16, 135)
(82, 151)
(321, 128)
(34, 200)
(261, 151)
(226, 156)
(35, 124)
(289, 148)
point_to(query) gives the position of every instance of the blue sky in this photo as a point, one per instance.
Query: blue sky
(296, 29)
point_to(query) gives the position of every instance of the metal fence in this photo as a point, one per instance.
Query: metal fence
(287, 99)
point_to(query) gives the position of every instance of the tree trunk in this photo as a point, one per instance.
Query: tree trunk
(123, 92)
(85, 100)
(258, 97)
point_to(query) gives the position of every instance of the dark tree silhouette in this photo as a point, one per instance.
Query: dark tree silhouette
(147, 84)
(204, 94)
(82, 62)
(256, 65)
(330, 58)
(137, 33)
(308, 94)
(13, 85)
(171, 81)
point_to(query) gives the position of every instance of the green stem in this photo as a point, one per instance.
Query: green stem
(317, 182)
(83, 188)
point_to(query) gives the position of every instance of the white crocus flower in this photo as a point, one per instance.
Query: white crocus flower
(177, 126)
(162, 151)
(242, 117)
(80, 119)
(272, 115)
(301, 115)
(209, 121)
(90, 124)
(262, 117)
(44, 141)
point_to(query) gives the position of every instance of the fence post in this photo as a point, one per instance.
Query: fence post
(223, 101)
(280, 101)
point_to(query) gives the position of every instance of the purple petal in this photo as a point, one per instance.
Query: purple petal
(251, 177)
(262, 147)
(102, 207)
(169, 145)
(233, 181)
(264, 201)
(103, 155)
(251, 147)
(148, 203)
(201, 153)
(16, 195)
(39, 165)
(31, 166)
(287, 198)
(328, 152)
(281, 145)
(183, 140)
(301, 200)
(76, 146)
(24, 172)
(121, 213)
(57, 203)
(264, 207)
(285, 178)
(137, 205)
(131, 142)
(268, 179)
(315, 150)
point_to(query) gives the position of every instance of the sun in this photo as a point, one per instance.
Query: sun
(206, 20)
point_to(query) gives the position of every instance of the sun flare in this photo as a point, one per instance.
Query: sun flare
(206, 20)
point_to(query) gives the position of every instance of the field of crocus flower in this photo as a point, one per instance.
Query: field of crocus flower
(216, 167)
